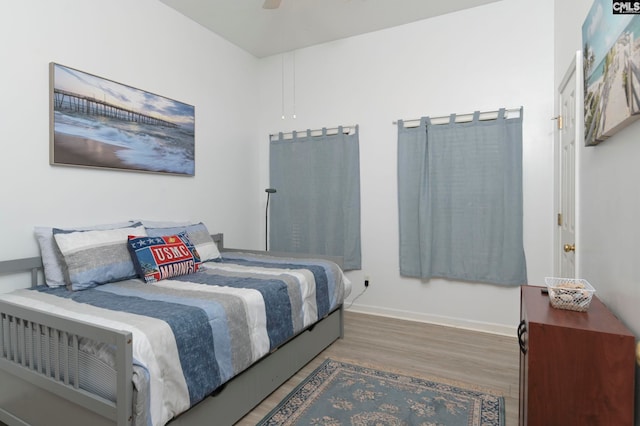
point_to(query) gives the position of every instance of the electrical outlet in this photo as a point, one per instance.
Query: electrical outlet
(366, 281)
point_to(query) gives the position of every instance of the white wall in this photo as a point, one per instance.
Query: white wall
(480, 59)
(609, 199)
(147, 45)
(483, 58)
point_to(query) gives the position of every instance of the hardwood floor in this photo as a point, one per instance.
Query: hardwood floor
(470, 358)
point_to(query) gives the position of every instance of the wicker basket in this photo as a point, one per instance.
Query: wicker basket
(569, 293)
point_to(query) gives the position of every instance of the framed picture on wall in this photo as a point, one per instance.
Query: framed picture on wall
(96, 122)
(611, 51)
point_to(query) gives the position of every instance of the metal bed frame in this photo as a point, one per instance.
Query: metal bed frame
(36, 391)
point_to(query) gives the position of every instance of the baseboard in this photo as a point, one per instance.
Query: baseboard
(435, 319)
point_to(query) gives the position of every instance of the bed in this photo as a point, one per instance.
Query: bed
(54, 343)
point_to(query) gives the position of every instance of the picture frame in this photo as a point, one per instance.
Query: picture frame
(99, 123)
(611, 62)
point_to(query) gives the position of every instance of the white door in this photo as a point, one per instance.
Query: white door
(569, 129)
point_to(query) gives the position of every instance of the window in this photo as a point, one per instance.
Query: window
(460, 200)
(316, 208)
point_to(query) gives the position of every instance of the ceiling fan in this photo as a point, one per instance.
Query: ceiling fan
(271, 4)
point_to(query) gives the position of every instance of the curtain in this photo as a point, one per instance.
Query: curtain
(316, 208)
(460, 200)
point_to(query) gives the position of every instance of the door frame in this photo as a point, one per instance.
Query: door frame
(575, 67)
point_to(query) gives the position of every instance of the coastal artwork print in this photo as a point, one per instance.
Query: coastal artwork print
(611, 61)
(97, 122)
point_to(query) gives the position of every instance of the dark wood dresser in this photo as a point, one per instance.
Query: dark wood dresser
(576, 368)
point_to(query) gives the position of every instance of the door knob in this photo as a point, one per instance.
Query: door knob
(569, 247)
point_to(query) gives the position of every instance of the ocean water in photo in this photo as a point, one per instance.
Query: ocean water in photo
(597, 71)
(149, 147)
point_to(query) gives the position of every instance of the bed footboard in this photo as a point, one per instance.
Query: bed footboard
(33, 358)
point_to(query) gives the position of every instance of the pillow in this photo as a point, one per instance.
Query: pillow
(199, 236)
(163, 224)
(96, 257)
(51, 258)
(159, 258)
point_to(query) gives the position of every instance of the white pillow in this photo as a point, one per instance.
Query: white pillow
(51, 257)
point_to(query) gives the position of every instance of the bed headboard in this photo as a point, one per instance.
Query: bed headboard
(219, 240)
(34, 264)
(27, 264)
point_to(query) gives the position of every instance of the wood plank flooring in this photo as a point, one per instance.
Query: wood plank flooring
(478, 359)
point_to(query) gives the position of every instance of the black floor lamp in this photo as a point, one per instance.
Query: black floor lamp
(269, 191)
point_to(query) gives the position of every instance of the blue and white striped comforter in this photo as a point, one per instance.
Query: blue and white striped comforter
(193, 333)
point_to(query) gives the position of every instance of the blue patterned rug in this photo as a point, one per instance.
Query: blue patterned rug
(338, 394)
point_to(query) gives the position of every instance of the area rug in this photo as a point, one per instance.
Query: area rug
(339, 393)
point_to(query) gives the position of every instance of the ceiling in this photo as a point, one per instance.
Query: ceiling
(302, 23)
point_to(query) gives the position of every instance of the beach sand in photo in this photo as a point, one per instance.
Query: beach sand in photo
(69, 149)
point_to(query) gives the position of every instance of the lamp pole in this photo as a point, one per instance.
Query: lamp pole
(269, 191)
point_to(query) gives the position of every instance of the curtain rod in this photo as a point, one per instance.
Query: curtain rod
(315, 132)
(463, 118)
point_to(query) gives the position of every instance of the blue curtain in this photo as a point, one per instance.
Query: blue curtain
(316, 208)
(460, 200)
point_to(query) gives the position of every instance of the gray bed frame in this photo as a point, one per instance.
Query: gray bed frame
(31, 396)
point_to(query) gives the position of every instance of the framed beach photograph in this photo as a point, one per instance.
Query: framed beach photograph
(96, 122)
(611, 53)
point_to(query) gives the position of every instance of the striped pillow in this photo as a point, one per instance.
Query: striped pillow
(96, 257)
(51, 258)
(199, 236)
